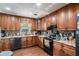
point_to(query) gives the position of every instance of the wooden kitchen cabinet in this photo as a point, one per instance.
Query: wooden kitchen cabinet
(34, 39)
(0, 45)
(49, 21)
(71, 17)
(6, 44)
(29, 40)
(12, 25)
(17, 23)
(54, 18)
(0, 21)
(23, 42)
(69, 50)
(57, 49)
(61, 19)
(40, 42)
(3, 26)
(61, 49)
(43, 24)
(32, 24)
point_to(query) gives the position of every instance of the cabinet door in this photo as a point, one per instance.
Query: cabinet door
(49, 22)
(0, 21)
(23, 43)
(40, 42)
(3, 22)
(34, 39)
(29, 41)
(17, 23)
(54, 19)
(33, 25)
(43, 25)
(9, 23)
(57, 49)
(71, 17)
(6, 44)
(0, 45)
(68, 50)
(61, 20)
(12, 23)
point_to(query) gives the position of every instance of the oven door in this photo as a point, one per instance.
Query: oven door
(48, 46)
(47, 43)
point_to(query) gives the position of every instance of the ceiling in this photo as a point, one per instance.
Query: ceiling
(30, 9)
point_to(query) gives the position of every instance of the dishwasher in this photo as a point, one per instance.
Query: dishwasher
(15, 43)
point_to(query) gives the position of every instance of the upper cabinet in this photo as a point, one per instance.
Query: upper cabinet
(64, 18)
(71, 17)
(8, 22)
(0, 21)
(43, 24)
(61, 19)
(32, 24)
(54, 19)
(17, 23)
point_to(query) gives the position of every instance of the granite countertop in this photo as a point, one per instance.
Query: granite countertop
(16, 36)
(66, 42)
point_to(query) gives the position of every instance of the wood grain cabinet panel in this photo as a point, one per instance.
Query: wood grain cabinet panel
(23, 42)
(9, 23)
(57, 49)
(40, 42)
(3, 23)
(43, 24)
(61, 20)
(54, 18)
(0, 21)
(17, 23)
(0, 45)
(71, 17)
(6, 44)
(30, 40)
(34, 39)
(68, 50)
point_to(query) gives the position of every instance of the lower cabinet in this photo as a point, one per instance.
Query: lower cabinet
(28, 41)
(40, 42)
(61, 49)
(23, 42)
(57, 49)
(6, 44)
(0, 45)
(69, 50)
(34, 40)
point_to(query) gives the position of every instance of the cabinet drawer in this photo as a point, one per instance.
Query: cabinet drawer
(57, 45)
(69, 50)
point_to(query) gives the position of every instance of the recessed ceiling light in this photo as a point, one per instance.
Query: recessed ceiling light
(0, 11)
(7, 8)
(38, 4)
